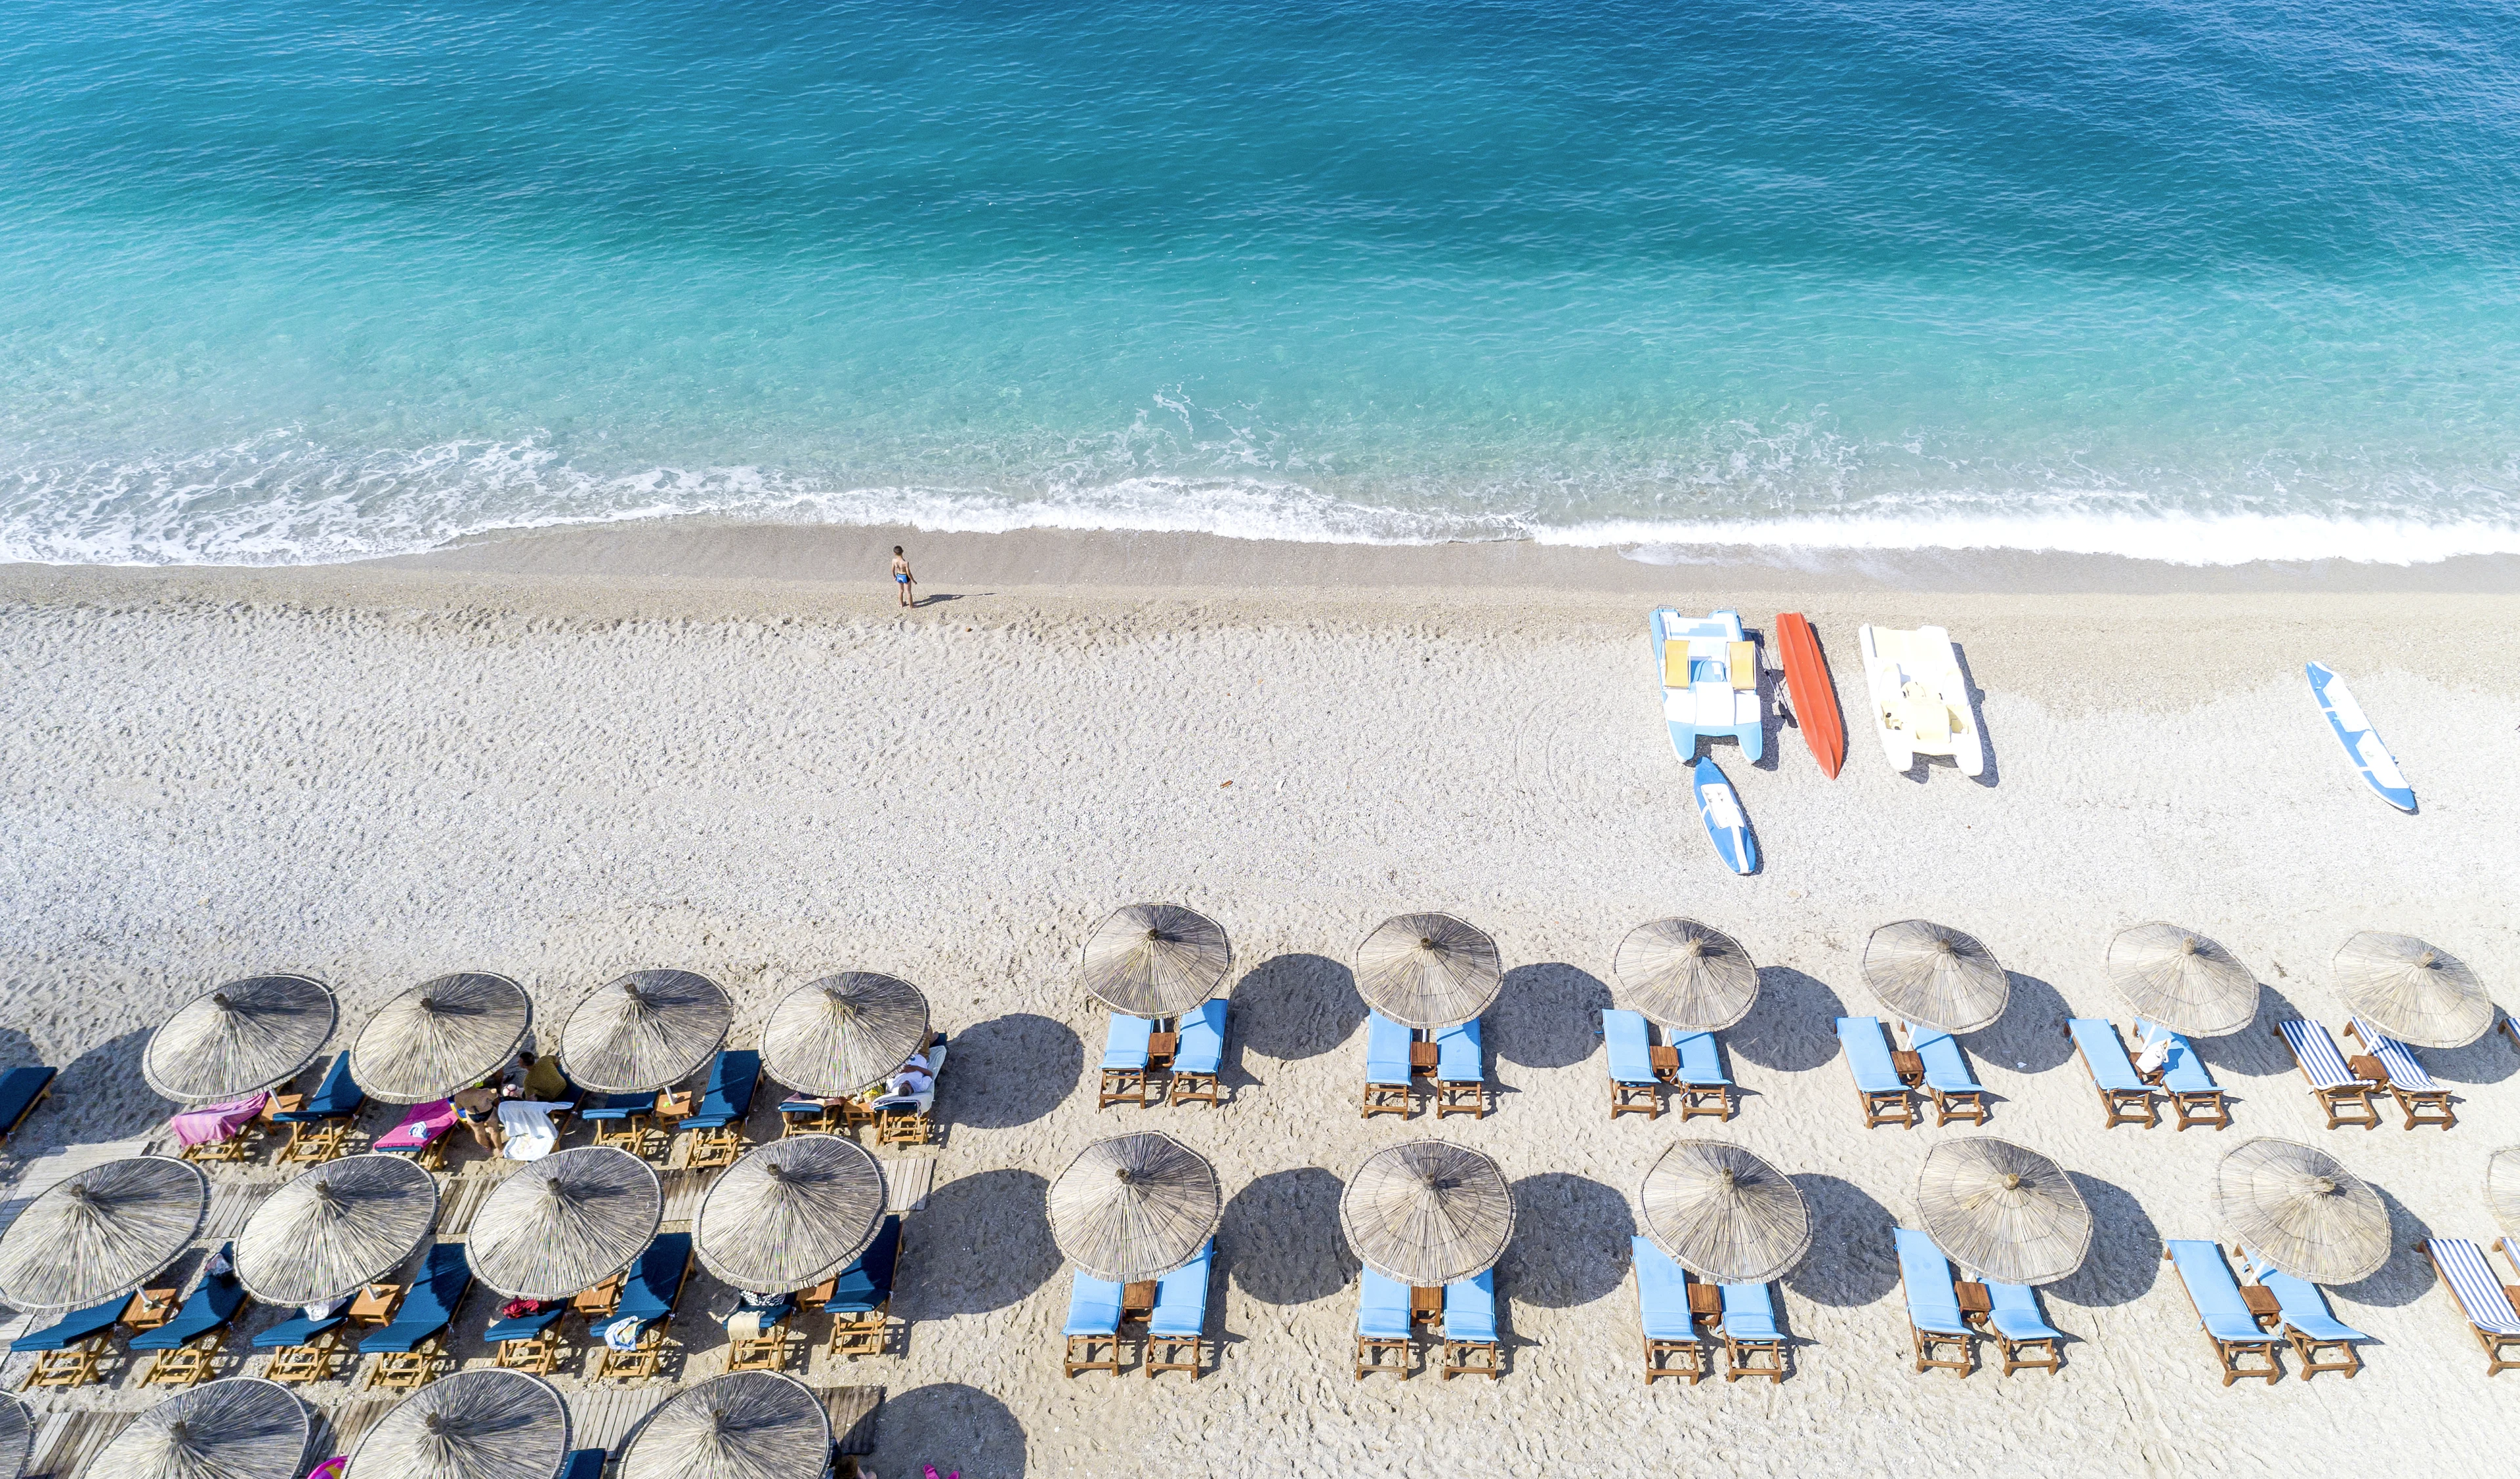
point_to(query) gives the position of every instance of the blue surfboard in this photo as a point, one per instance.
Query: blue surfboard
(2345, 720)
(1725, 826)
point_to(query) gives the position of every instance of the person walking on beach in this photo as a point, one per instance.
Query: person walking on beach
(902, 578)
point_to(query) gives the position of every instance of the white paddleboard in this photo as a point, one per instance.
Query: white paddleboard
(2346, 721)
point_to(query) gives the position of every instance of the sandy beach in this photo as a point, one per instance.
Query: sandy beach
(722, 748)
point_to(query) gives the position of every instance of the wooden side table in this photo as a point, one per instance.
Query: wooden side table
(1138, 1300)
(1705, 1300)
(1973, 1297)
(150, 1307)
(1421, 1058)
(375, 1304)
(2368, 1069)
(1666, 1066)
(603, 1299)
(1426, 1304)
(1160, 1048)
(2261, 1302)
(1910, 1067)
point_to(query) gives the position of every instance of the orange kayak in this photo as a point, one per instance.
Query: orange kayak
(1814, 696)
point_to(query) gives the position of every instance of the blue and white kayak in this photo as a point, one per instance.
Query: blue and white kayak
(1726, 827)
(2372, 759)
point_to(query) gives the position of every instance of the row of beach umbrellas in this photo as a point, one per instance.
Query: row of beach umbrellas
(478, 1424)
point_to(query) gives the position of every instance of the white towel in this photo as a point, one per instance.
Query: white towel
(622, 1334)
(528, 1124)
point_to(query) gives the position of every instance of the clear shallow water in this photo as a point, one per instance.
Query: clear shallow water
(2212, 281)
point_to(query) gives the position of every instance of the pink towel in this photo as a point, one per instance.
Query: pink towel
(330, 1468)
(208, 1124)
(423, 1124)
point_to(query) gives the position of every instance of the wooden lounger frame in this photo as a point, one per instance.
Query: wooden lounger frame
(295, 1366)
(1694, 1101)
(1449, 1098)
(649, 1358)
(2015, 1361)
(629, 1133)
(2227, 1352)
(1164, 1353)
(1925, 1343)
(194, 1362)
(2339, 1100)
(1472, 1358)
(73, 1365)
(1081, 1358)
(2496, 1362)
(2120, 1106)
(236, 1147)
(1388, 1098)
(1684, 1359)
(539, 1354)
(2421, 1106)
(410, 1371)
(1625, 1099)
(1194, 1089)
(824, 1119)
(1742, 1358)
(1887, 1107)
(712, 1148)
(1957, 1104)
(315, 1142)
(2310, 1363)
(765, 1352)
(2199, 1107)
(905, 1127)
(1371, 1349)
(1123, 1086)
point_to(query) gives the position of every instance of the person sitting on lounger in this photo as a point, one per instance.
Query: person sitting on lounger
(479, 1107)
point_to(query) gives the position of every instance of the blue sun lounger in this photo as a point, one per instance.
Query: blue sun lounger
(717, 1123)
(1179, 1319)
(1934, 1319)
(1878, 1084)
(186, 1344)
(1955, 1092)
(585, 1463)
(620, 1120)
(1124, 1061)
(407, 1349)
(20, 1091)
(1749, 1331)
(528, 1342)
(1470, 1344)
(1092, 1320)
(2125, 1098)
(319, 1129)
(2194, 1098)
(2216, 1297)
(1461, 1073)
(1387, 1073)
(1701, 1074)
(73, 1346)
(1198, 1056)
(1662, 1304)
(1382, 1325)
(1629, 1043)
(861, 1299)
(2323, 1342)
(648, 1296)
(2014, 1320)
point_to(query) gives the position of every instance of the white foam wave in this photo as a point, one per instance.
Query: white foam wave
(2228, 539)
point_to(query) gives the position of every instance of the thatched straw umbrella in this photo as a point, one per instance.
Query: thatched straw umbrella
(2009, 1213)
(745, 1425)
(17, 1437)
(1428, 1212)
(651, 1029)
(843, 1033)
(1934, 974)
(1135, 1206)
(790, 1214)
(242, 1429)
(2182, 980)
(2502, 1188)
(1723, 1214)
(104, 1231)
(240, 1039)
(565, 1223)
(484, 1424)
(341, 1225)
(2411, 991)
(1155, 960)
(1685, 976)
(1428, 971)
(441, 1036)
(2302, 1211)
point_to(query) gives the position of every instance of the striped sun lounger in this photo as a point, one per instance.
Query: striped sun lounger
(1672, 1348)
(2322, 1341)
(2194, 1098)
(1703, 1088)
(1629, 1043)
(2423, 1102)
(2331, 1081)
(2216, 1297)
(2483, 1301)
(1954, 1091)
(1934, 1319)
(2125, 1098)
(1878, 1084)
(1388, 1074)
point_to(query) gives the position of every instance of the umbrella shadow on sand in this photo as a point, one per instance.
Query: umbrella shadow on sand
(1570, 1241)
(2490, 1059)
(1853, 1260)
(2125, 1259)
(2030, 1037)
(1279, 1239)
(1792, 1027)
(2407, 1275)
(981, 1243)
(1009, 1071)
(1294, 1006)
(101, 1095)
(952, 1426)
(1548, 1015)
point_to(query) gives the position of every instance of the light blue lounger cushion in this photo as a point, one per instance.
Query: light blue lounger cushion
(1868, 1055)
(1458, 1056)
(1181, 1298)
(2304, 1308)
(1386, 1050)
(1093, 1307)
(1630, 1046)
(2217, 1294)
(1701, 1065)
(1469, 1309)
(1945, 1068)
(1933, 1305)
(2105, 1054)
(1749, 1313)
(1662, 1292)
(2182, 1072)
(1125, 1044)
(1201, 1049)
(1381, 1308)
(2013, 1309)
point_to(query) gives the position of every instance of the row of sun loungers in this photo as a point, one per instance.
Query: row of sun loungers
(1395, 1060)
(1389, 1312)
(1131, 1067)
(1743, 1317)
(1637, 1083)
(1173, 1320)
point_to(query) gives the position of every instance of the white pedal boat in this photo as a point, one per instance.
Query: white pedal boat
(1919, 700)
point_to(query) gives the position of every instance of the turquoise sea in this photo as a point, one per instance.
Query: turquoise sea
(2211, 280)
